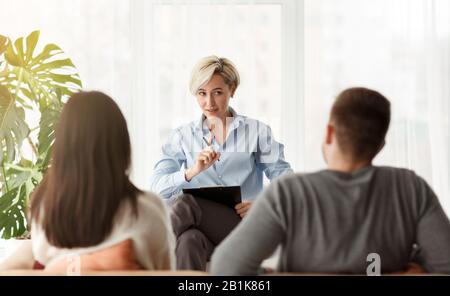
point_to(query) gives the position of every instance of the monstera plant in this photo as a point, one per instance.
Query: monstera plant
(33, 88)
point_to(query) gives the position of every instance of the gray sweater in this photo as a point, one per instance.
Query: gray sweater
(329, 221)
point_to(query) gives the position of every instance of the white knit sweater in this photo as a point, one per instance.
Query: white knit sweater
(151, 233)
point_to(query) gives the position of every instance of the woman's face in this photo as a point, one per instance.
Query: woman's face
(213, 97)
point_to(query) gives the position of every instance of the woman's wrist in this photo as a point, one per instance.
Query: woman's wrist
(189, 174)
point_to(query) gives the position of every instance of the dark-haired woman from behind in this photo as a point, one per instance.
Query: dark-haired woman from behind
(86, 204)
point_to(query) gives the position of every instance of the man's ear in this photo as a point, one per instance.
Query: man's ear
(329, 134)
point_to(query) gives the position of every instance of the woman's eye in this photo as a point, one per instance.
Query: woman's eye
(218, 92)
(201, 94)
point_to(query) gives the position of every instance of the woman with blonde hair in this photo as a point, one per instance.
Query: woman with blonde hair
(222, 148)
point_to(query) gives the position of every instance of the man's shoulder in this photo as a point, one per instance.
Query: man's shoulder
(395, 171)
(297, 178)
(292, 188)
(301, 177)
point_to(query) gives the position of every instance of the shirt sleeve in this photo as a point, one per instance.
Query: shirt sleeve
(168, 176)
(270, 154)
(254, 239)
(433, 232)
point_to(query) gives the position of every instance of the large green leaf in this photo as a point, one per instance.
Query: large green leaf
(14, 203)
(4, 70)
(39, 76)
(39, 81)
(46, 137)
(13, 129)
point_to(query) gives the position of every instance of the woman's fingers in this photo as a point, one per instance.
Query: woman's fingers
(243, 213)
(242, 205)
(208, 156)
(203, 160)
(242, 208)
(212, 155)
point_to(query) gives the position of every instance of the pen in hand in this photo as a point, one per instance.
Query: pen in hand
(209, 145)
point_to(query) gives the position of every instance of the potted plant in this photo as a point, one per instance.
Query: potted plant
(33, 89)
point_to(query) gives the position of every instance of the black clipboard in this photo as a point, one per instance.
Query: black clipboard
(226, 195)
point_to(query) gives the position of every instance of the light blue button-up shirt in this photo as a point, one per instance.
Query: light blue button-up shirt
(248, 152)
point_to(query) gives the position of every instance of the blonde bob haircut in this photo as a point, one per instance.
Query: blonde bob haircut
(207, 67)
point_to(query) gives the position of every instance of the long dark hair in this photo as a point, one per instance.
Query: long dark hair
(88, 178)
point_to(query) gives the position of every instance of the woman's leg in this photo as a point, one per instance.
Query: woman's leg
(193, 250)
(185, 213)
(217, 220)
(212, 221)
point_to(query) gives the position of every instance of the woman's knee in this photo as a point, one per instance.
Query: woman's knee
(184, 214)
(192, 238)
(184, 200)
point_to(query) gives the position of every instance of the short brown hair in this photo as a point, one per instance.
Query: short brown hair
(361, 118)
(87, 181)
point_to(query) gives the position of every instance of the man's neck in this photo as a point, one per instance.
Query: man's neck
(347, 166)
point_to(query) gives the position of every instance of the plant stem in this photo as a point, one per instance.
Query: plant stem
(33, 147)
(4, 175)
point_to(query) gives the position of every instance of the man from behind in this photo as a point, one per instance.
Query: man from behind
(331, 220)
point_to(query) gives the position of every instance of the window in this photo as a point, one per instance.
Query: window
(400, 48)
(256, 35)
(294, 57)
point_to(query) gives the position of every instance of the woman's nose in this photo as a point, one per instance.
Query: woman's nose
(210, 100)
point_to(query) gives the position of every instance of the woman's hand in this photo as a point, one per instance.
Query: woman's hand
(206, 158)
(243, 207)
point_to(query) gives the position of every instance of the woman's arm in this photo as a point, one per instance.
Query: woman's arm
(155, 242)
(270, 154)
(169, 176)
(22, 258)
